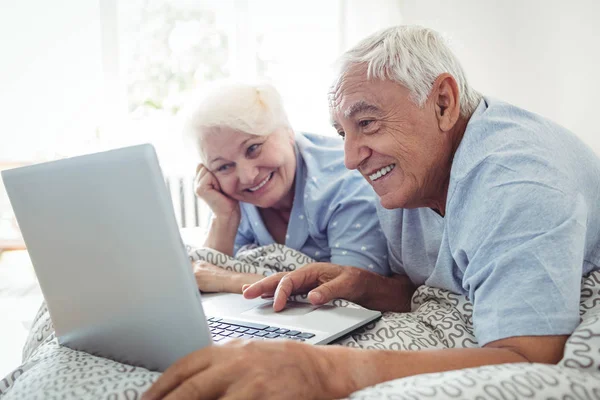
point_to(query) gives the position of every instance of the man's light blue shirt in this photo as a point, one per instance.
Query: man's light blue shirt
(522, 225)
(333, 218)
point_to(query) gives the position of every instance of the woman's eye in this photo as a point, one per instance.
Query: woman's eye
(223, 168)
(252, 149)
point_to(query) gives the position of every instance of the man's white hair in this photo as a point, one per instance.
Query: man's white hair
(256, 109)
(414, 57)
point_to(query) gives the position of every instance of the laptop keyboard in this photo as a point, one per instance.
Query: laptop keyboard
(224, 329)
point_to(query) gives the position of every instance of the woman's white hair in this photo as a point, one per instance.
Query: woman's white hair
(256, 109)
(414, 57)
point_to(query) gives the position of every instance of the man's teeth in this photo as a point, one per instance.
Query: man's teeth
(255, 188)
(381, 172)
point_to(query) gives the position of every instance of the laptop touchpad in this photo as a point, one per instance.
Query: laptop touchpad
(291, 309)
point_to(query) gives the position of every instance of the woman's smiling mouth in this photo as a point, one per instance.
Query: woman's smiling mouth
(260, 185)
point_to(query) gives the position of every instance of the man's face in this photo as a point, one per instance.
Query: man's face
(254, 169)
(397, 146)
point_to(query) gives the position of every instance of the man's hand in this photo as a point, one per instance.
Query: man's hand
(325, 282)
(278, 369)
(212, 279)
(322, 281)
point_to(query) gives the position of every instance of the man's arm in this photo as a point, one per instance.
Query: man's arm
(266, 369)
(365, 368)
(392, 293)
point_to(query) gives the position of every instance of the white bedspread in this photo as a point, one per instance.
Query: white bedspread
(439, 319)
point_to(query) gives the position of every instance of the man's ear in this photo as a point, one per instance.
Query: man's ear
(446, 101)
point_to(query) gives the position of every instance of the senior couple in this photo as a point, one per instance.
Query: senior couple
(473, 195)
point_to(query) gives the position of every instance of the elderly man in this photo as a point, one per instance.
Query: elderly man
(478, 197)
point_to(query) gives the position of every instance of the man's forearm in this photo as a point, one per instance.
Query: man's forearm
(383, 293)
(354, 369)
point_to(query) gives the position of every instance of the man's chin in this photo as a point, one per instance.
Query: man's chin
(387, 203)
(391, 201)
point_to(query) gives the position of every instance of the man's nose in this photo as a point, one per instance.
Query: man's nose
(354, 152)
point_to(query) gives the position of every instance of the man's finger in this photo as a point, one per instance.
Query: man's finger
(209, 384)
(299, 281)
(264, 286)
(179, 372)
(283, 291)
(341, 287)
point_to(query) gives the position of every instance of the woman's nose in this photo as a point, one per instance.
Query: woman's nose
(247, 173)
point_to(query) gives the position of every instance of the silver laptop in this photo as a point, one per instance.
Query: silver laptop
(104, 242)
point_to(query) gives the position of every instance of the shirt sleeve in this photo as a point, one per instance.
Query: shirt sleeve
(354, 235)
(244, 236)
(391, 225)
(518, 235)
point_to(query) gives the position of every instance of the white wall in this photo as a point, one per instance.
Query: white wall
(50, 75)
(540, 55)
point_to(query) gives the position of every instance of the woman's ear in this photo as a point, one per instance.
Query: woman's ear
(292, 135)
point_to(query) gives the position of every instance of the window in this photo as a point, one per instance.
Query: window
(91, 75)
(168, 49)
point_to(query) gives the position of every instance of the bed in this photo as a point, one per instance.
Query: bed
(438, 319)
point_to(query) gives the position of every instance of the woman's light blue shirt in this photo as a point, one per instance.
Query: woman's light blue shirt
(333, 218)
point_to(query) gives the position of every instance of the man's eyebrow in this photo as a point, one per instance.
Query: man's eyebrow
(360, 106)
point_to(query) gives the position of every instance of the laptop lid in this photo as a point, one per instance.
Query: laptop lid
(105, 246)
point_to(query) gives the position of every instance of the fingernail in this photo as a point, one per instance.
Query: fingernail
(244, 287)
(315, 297)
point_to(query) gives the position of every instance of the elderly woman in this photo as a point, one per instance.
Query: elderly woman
(267, 184)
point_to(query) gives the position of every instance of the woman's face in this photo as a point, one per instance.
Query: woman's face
(254, 169)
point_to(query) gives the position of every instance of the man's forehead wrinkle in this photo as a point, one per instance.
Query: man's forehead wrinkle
(335, 93)
(351, 82)
(360, 106)
(343, 88)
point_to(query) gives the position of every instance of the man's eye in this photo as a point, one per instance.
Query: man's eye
(365, 123)
(342, 134)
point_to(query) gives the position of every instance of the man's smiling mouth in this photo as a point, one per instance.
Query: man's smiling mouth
(382, 172)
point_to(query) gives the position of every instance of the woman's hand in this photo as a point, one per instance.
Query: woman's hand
(208, 189)
(211, 279)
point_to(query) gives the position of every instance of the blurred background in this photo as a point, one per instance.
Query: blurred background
(80, 76)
